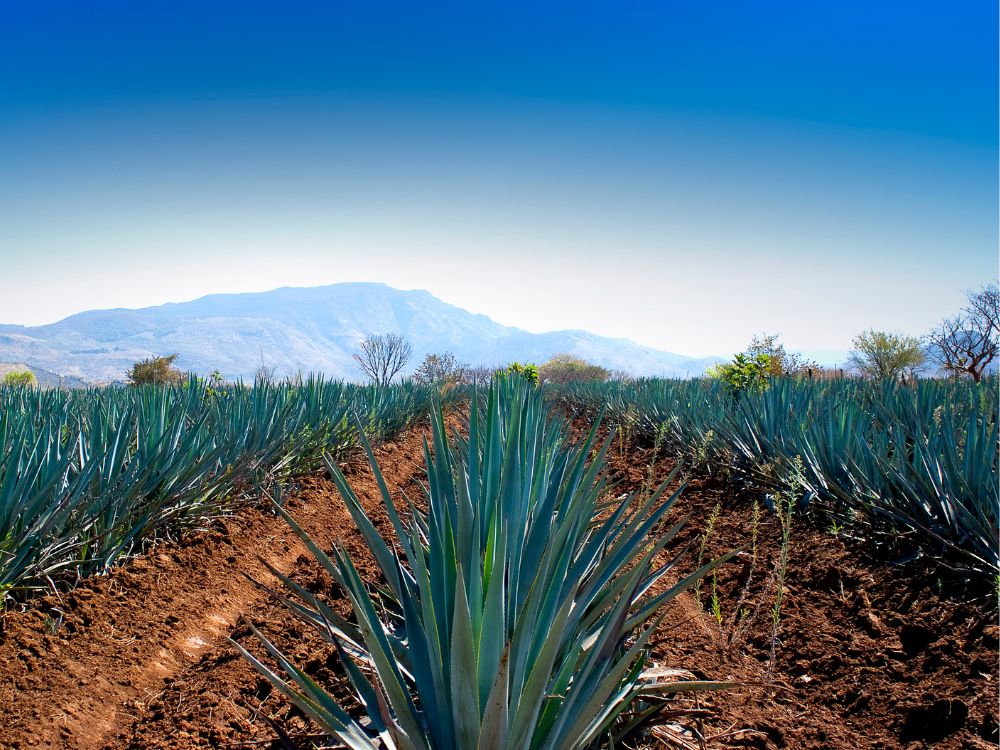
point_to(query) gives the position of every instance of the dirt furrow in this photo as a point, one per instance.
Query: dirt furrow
(81, 669)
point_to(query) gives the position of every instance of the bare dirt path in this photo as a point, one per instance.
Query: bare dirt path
(79, 670)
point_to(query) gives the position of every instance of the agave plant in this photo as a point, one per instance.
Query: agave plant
(514, 608)
(88, 476)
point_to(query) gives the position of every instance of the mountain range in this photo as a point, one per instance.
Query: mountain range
(309, 330)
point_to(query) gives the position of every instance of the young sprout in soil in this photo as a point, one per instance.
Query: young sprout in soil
(658, 442)
(701, 453)
(712, 518)
(716, 602)
(626, 428)
(741, 613)
(52, 624)
(784, 502)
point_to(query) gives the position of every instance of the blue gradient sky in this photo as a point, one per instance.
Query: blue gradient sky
(681, 174)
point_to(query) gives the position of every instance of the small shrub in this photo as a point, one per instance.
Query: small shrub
(20, 379)
(155, 371)
(527, 371)
(566, 368)
(440, 369)
(745, 373)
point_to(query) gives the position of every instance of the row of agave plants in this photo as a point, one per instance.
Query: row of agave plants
(915, 464)
(88, 476)
(516, 597)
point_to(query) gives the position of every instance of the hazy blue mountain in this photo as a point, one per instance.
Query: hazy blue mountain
(313, 330)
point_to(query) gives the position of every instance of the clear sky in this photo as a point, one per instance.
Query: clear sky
(684, 174)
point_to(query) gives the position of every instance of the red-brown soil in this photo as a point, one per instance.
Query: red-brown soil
(867, 656)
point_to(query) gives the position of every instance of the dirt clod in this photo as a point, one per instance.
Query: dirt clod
(934, 721)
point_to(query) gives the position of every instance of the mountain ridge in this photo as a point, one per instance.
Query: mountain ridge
(308, 329)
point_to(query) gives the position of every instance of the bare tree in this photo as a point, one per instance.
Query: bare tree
(265, 374)
(969, 342)
(383, 356)
(478, 374)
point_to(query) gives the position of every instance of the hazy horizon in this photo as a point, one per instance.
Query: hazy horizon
(683, 177)
(822, 356)
(826, 361)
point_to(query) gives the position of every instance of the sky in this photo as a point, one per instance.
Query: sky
(682, 174)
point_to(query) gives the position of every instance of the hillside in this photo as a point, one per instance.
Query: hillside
(44, 378)
(309, 329)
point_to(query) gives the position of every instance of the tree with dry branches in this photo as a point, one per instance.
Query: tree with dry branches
(382, 357)
(155, 371)
(439, 369)
(967, 343)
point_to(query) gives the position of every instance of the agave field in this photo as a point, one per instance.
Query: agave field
(87, 476)
(908, 466)
(635, 564)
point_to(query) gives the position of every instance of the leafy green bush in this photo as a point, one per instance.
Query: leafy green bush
(528, 372)
(880, 354)
(20, 379)
(745, 373)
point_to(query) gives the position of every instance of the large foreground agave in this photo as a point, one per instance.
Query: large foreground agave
(513, 613)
